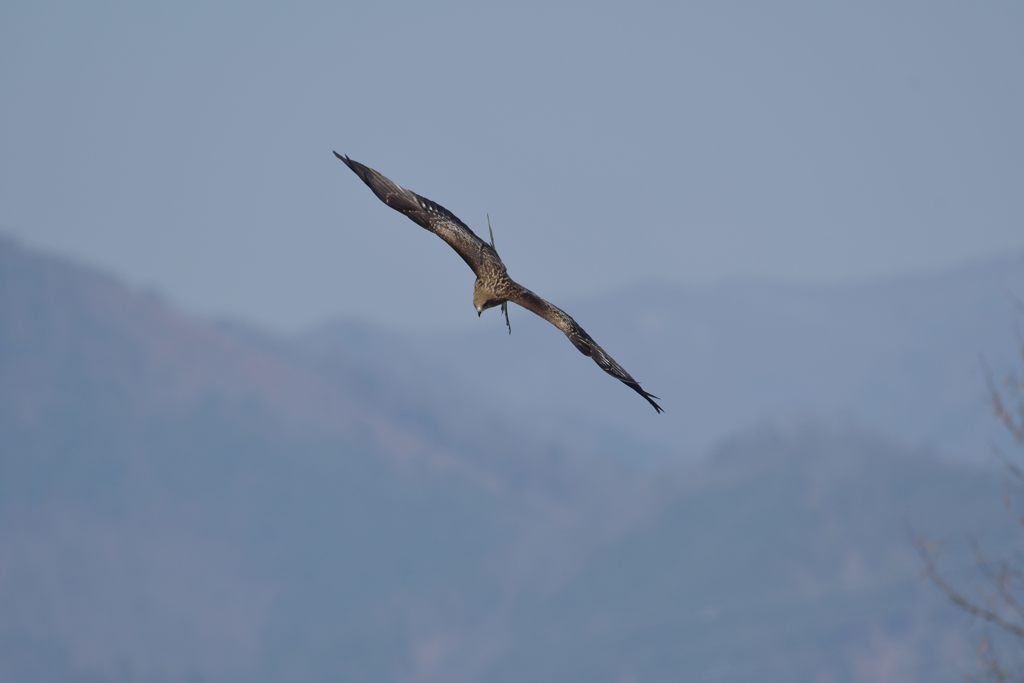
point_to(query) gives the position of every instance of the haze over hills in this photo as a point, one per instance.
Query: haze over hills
(900, 358)
(136, 442)
(182, 500)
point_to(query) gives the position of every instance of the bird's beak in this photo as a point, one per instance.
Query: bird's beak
(479, 313)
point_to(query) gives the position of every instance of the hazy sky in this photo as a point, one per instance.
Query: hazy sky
(187, 146)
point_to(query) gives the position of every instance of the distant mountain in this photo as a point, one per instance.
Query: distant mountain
(900, 358)
(81, 349)
(786, 557)
(181, 500)
(189, 501)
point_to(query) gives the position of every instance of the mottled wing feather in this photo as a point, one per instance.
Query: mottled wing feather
(426, 213)
(581, 340)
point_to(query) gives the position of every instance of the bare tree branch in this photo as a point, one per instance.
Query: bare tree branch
(1000, 603)
(1002, 579)
(961, 600)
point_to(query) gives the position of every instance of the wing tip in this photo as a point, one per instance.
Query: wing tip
(650, 398)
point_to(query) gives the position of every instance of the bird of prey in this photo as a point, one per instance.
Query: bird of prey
(493, 285)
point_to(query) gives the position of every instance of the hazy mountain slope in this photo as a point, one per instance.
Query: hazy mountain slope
(899, 358)
(186, 501)
(80, 347)
(785, 558)
(180, 499)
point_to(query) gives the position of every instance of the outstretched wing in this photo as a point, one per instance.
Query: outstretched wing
(581, 340)
(426, 213)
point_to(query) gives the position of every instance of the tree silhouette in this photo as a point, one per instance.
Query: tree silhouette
(998, 602)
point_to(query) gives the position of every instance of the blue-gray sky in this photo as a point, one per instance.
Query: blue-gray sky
(187, 146)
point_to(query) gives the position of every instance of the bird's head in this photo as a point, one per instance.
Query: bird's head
(483, 298)
(482, 306)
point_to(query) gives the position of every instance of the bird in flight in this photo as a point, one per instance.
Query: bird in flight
(493, 285)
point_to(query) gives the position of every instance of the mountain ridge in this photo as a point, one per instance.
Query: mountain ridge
(349, 506)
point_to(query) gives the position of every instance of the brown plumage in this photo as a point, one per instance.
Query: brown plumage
(493, 286)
